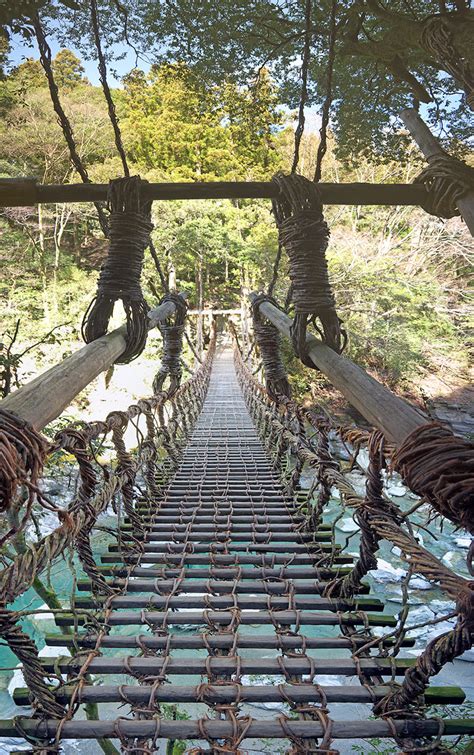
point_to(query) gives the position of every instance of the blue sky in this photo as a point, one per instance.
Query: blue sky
(20, 51)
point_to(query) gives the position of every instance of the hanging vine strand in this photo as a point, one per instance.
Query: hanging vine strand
(63, 120)
(304, 84)
(326, 109)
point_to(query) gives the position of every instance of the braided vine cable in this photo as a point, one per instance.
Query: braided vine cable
(304, 234)
(130, 227)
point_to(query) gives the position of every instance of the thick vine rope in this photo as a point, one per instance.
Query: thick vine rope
(438, 465)
(447, 180)
(308, 33)
(326, 109)
(22, 454)
(63, 120)
(269, 343)
(130, 227)
(305, 234)
(171, 365)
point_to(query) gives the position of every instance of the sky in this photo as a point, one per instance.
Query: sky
(20, 51)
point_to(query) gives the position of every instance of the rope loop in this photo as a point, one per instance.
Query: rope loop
(446, 180)
(269, 343)
(438, 465)
(305, 234)
(171, 364)
(130, 228)
(22, 454)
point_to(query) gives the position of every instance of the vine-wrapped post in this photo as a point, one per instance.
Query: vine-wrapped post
(449, 181)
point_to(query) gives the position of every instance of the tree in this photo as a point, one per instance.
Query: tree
(68, 70)
(176, 124)
(385, 59)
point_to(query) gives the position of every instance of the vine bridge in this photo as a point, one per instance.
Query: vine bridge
(224, 589)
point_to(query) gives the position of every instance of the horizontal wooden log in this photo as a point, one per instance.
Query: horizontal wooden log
(171, 693)
(167, 547)
(258, 729)
(303, 586)
(46, 396)
(25, 193)
(430, 147)
(287, 618)
(244, 602)
(205, 558)
(218, 641)
(382, 408)
(220, 535)
(229, 665)
(213, 572)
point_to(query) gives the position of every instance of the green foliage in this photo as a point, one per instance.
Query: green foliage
(68, 69)
(174, 123)
(399, 276)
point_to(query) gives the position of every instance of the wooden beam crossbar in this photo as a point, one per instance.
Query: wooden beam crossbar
(27, 192)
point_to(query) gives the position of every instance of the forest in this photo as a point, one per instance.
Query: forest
(400, 275)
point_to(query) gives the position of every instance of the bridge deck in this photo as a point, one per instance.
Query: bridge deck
(225, 561)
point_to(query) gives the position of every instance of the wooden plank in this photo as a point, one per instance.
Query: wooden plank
(287, 618)
(245, 602)
(220, 729)
(310, 585)
(221, 641)
(46, 396)
(228, 665)
(214, 572)
(160, 521)
(382, 408)
(167, 547)
(171, 693)
(24, 193)
(269, 538)
(260, 558)
(431, 148)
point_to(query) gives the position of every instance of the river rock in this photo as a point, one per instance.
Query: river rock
(385, 572)
(418, 583)
(347, 525)
(463, 542)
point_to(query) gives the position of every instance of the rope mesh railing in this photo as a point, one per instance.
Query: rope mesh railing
(215, 535)
(378, 519)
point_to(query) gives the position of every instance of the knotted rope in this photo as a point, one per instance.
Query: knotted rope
(269, 342)
(305, 234)
(440, 466)
(22, 454)
(447, 180)
(438, 41)
(171, 365)
(130, 227)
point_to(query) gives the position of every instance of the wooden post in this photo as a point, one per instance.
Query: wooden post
(391, 414)
(430, 147)
(44, 398)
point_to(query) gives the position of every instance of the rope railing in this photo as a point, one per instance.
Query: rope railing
(379, 519)
(168, 418)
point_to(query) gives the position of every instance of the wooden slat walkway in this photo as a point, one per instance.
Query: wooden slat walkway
(229, 565)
